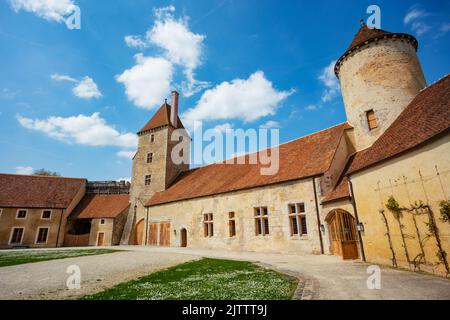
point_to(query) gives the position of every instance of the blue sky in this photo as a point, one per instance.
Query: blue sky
(71, 100)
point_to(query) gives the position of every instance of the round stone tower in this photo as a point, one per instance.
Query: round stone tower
(380, 75)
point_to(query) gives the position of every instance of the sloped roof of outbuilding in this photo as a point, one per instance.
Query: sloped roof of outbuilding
(23, 191)
(101, 206)
(302, 158)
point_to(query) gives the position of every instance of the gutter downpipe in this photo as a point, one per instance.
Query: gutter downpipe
(318, 216)
(361, 245)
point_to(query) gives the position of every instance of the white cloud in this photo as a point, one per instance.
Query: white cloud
(180, 46)
(330, 82)
(124, 179)
(222, 128)
(248, 100)
(445, 27)
(51, 10)
(24, 170)
(148, 82)
(126, 154)
(311, 107)
(270, 125)
(85, 130)
(87, 89)
(414, 13)
(60, 77)
(84, 89)
(135, 42)
(414, 18)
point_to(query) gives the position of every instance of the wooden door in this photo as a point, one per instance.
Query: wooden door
(100, 239)
(342, 231)
(164, 234)
(139, 233)
(153, 234)
(183, 238)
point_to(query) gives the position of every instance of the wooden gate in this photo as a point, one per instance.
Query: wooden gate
(342, 230)
(183, 238)
(164, 234)
(153, 234)
(139, 233)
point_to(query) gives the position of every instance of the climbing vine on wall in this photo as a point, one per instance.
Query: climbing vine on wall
(394, 207)
(419, 208)
(388, 234)
(445, 211)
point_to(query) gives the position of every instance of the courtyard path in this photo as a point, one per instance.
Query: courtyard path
(329, 277)
(324, 277)
(47, 279)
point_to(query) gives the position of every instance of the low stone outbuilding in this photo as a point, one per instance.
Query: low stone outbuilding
(98, 220)
(34, 209)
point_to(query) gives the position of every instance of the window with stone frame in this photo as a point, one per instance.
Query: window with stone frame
(208, 225)
(21, 214)
(149, 157)
(261, 215)
(297, 219)
(46, 214)
(16, 236)
(148, 179)
(42, 235)
(371, 120)
(232, 224)
(152, 138)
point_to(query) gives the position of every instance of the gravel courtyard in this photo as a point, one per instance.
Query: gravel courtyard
(323, 277)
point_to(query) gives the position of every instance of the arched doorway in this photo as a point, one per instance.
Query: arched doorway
(183, 235)
(139, 233)
(342, 231)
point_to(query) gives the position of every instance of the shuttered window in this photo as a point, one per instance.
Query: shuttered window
(371, 119)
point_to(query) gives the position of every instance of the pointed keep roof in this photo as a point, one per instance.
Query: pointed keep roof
(160, 119)
(368, 35)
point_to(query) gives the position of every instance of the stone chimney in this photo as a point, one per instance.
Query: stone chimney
(174, 109)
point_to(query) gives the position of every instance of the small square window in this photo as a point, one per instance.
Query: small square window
(102, 221)
(46, 214)
(42, 235)
(21, 214)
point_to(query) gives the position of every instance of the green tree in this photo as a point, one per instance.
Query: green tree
(47, 173)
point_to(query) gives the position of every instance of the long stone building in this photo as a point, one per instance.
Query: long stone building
(333, 189)
(375, 188)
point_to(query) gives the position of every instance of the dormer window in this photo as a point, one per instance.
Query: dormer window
(371, 120)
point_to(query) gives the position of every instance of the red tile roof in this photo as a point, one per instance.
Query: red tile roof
(305, 157)
(367, 35)
(101, 206)
(21, 191)
(160, 119)
(341, 191)
(427, 116)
